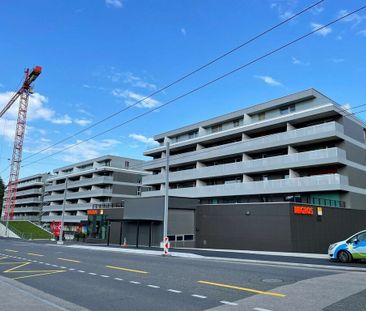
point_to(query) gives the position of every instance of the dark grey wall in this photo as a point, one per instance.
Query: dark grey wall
(352, 129)
(314, 234)
(132, 178)
(354, 153)
(123, 189)
(274, 227)
(356, 177)
(228, 226)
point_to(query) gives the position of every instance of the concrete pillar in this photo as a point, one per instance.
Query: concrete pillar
(247, 178)
(291, 150)
(201, 131)
(200, 183)
(200, 164)
(293, 173)
(246, 157)
(199, 147)
(290, 127)
(244, 136)
(247, 119)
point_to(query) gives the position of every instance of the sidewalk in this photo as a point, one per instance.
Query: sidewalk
(17, 296)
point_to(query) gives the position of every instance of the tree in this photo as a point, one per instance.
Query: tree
(2, 186)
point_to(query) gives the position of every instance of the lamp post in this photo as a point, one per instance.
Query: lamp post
(60, 240)
(166, 200)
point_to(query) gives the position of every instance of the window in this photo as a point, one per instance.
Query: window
(193, 134)
(261, 116)
(287, 109)
(362, 236)
(188, 237)
(236, 123)
(216, 128)
(127, 164)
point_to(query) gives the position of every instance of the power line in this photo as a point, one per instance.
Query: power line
(180, 79)
(205, 84)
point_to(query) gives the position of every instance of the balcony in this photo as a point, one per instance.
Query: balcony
(29, 218)
(68, 207)
(295, 160)
(81, 183)
(67, 218)
(29, 192)
(28, 201)
(33, 209)
(79, 195)
(317, 183)
(310, 134)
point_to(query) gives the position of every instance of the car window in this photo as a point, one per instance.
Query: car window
(362, 236)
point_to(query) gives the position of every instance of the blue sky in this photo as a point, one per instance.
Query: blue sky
(100, 55)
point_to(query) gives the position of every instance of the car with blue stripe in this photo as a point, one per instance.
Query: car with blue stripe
(353, 248)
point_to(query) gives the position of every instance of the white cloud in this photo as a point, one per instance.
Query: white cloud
(82, 122)
(286, 14)
(338, 60)
(183, 31)
(131, 98)
(317, 10)
(355, 18)
(143, 139)
(7, 129)
(296, 61)
(269, 80)
(91, 149)
(323, 32)
(347, 108)
(114, 3)
(65, 119)
(362, 32)
(136, 81)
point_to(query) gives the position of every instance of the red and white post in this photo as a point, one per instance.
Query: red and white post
(166, 246)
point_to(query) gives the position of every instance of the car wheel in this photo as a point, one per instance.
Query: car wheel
(344, 256)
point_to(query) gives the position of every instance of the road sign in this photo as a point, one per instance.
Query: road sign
(166, 246)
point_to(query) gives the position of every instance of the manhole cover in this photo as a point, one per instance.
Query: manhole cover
(272, 280)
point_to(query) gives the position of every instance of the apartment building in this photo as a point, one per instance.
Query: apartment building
(107, 179)
(302, 148)
(29, 198)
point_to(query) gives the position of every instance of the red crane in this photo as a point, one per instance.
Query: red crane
(23, 94)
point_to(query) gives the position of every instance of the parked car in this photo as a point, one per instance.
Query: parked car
(350, 249)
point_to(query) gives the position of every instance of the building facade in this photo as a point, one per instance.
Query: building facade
(104, 180)
(303, 148)
(29, 198)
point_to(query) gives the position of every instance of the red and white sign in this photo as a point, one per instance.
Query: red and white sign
(56, 228)
(166, 245)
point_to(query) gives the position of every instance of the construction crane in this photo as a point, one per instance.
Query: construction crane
(23, 94)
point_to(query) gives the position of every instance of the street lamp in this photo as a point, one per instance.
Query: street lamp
(60, 239)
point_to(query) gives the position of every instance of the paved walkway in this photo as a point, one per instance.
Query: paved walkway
(17, 296)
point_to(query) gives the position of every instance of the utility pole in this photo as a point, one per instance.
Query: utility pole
(60, 239)
(166, 200)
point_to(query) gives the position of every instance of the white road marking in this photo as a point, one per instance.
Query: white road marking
(174, 291)
(56, 266)
(47, 264)
(104, 276)
(228, 303)
(81, 271)
(199, 296)
(62, 267)
(92, 273)
(134, 282)
(261, 309)
(71, 269)
(118, 279)
(41, 262)
(153, 286)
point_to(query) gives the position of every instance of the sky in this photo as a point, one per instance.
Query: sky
(101, 56)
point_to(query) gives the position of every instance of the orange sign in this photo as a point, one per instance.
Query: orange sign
(303, 210)
(92, 212)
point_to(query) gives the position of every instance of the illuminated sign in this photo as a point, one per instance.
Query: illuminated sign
(303, 210)
(92, 212)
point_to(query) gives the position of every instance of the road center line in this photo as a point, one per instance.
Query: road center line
(104, 276)
(118, 279)
(153, 286)
(261, 309)
(11, 250)
(251, 290)
(135, 282)
(81, 271)
(92, 273)
(174, 291)
(228, 303)
(69, 260)
(35, 254)
(126, 269)
(199, 296)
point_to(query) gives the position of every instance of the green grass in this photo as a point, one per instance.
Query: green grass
(28, 230)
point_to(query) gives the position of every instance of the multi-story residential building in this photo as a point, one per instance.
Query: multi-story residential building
(29, 198)
(303, 147)
(107, 179)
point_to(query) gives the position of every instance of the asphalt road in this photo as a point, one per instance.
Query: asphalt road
(102, 280)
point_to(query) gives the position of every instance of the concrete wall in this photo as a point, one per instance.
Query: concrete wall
(274, 227)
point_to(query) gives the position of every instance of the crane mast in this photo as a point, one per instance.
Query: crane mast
(23, 94)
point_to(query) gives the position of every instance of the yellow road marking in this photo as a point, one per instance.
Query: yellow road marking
(251, 290)
(21, 264)
(70, 260)
(11, 250)
(35, 254)
(40, 274)
(125, 269)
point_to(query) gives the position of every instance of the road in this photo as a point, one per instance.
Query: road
(103, 280)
